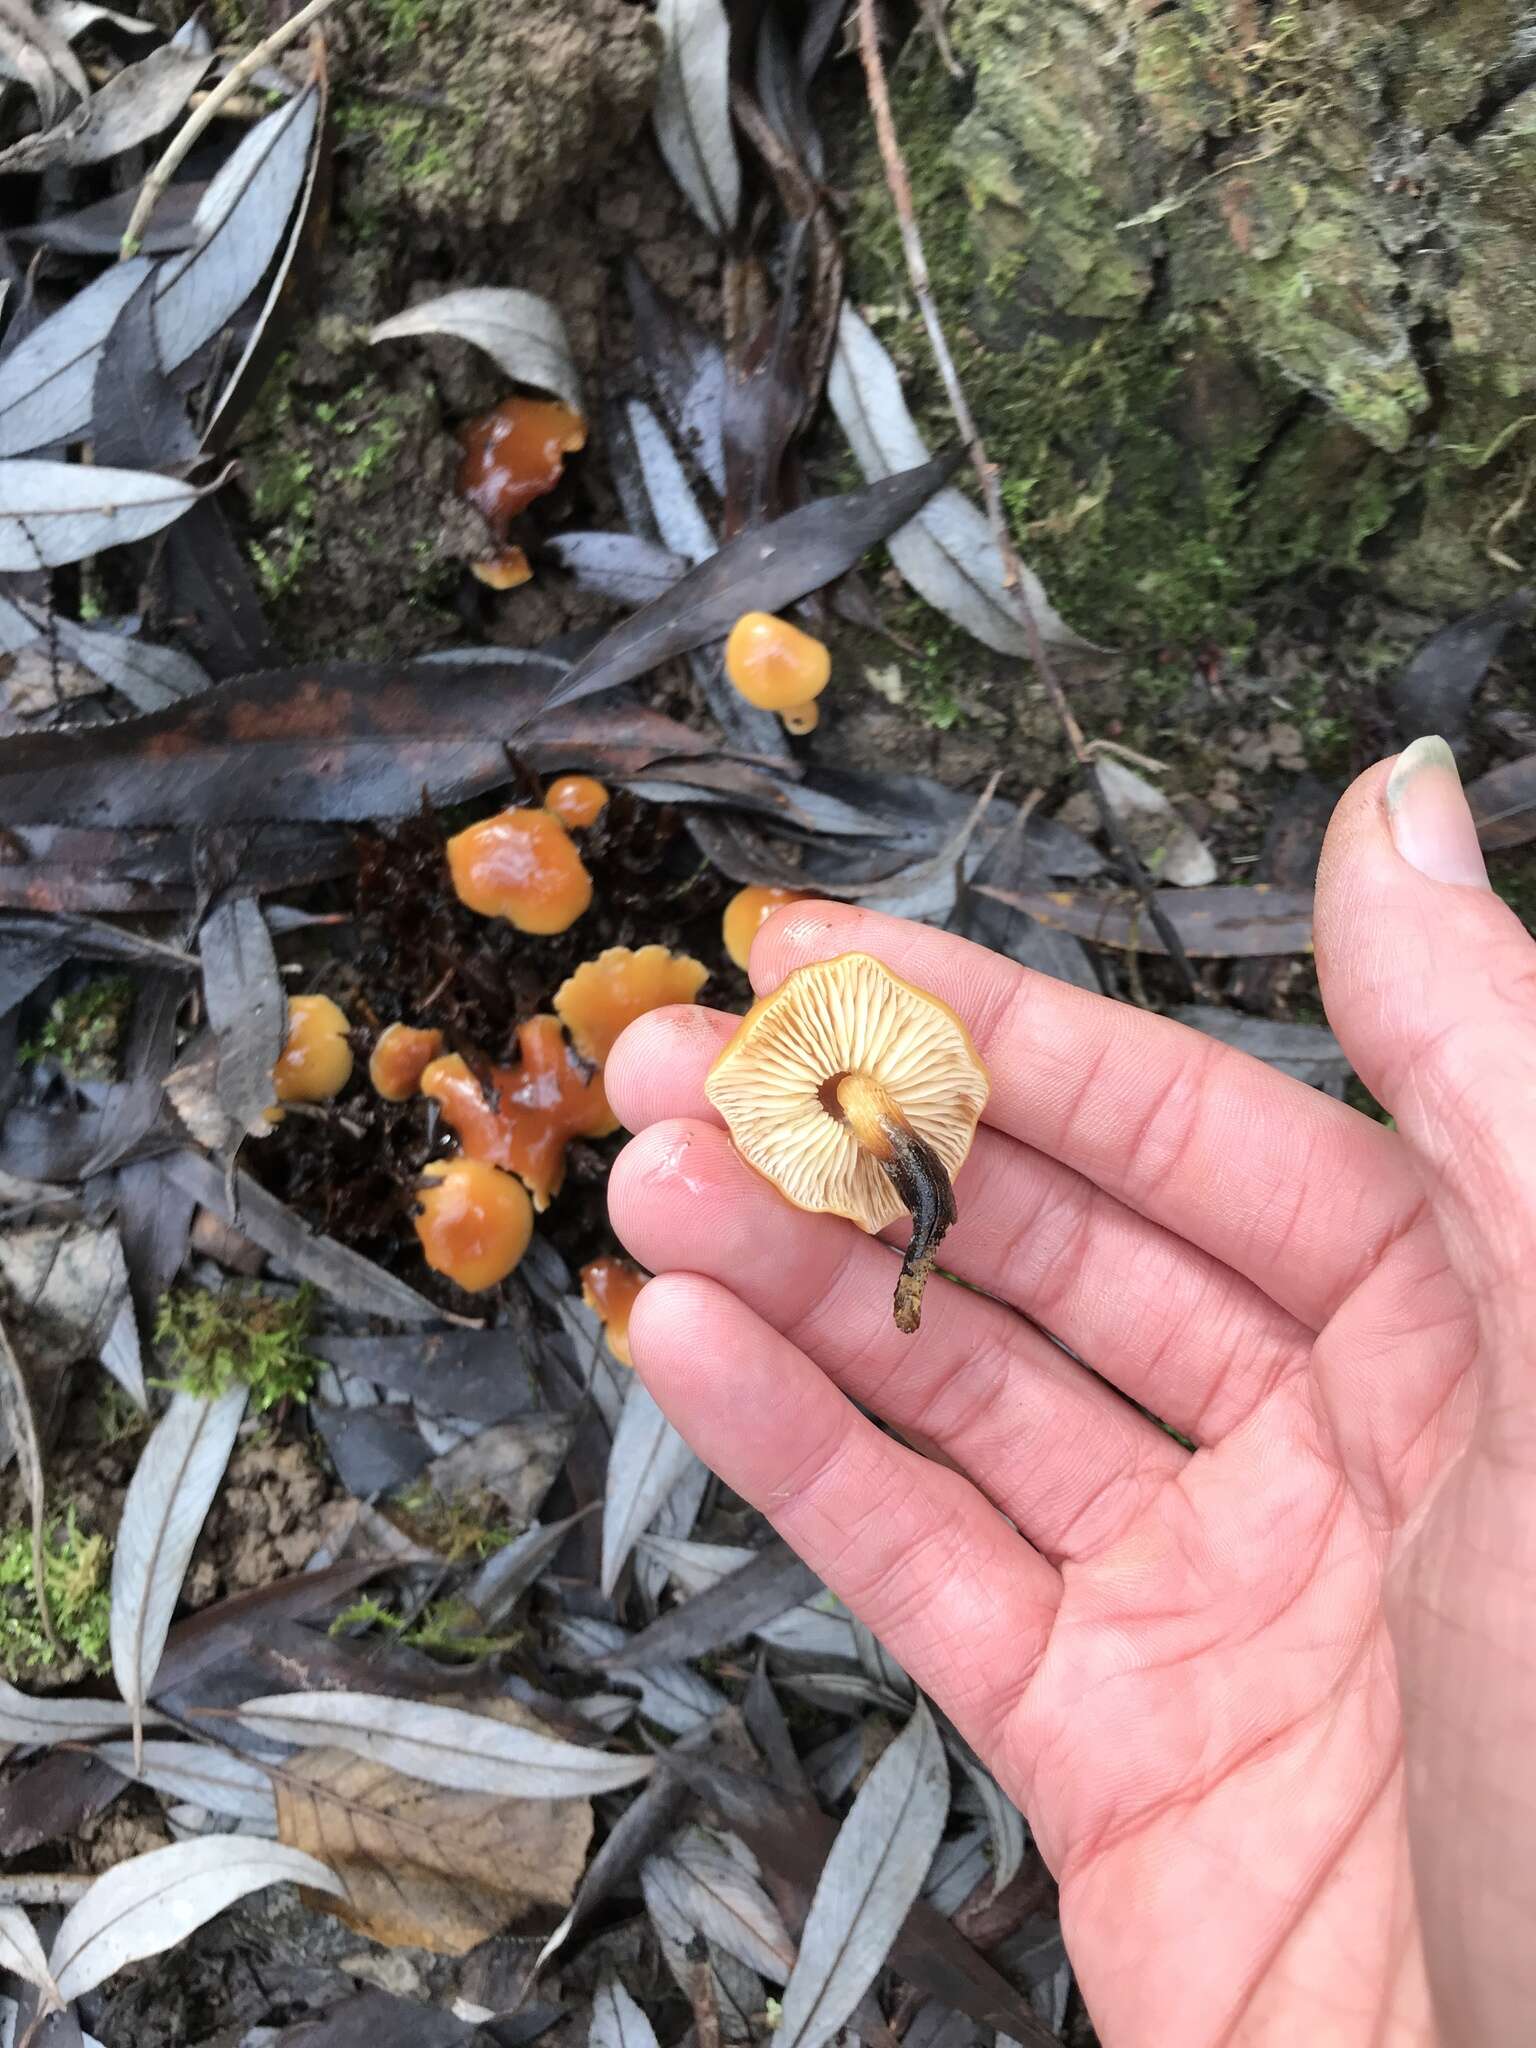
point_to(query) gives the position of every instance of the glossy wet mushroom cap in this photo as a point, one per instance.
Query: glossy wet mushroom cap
(474, 1223)
(773, 664)
(610, 1287)
(748, 909)
(316, 1060)
(515, 453)
(576, 800)
(857, 1095)
(400, 1058)
(528, 1114)
(523, 866)
(604, 996)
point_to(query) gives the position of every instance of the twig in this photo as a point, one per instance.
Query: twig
(200, 118)
(43, 1890)
(900, 186)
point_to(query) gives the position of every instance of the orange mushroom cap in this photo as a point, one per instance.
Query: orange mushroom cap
(748, 909)
(316, 1060)
(543, 1102)
(800, 719)
(773, 664)
(576, 800)
(400, 1058)
(515, 453)
(505, 570)
(610, 1287)
(605, 995)
(521, 865)
(474, 1223)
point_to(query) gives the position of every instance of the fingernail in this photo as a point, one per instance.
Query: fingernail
(1427, 810)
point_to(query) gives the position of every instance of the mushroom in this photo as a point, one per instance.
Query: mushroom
(610, 1288)
(747, 909)
(521, 865)
(316, 1060)
(576, 800)
(857, 1095)
(608, 993)
(511, 455)
(777, 667)
(400, 1058)
(533, 1111)
(473, 1222)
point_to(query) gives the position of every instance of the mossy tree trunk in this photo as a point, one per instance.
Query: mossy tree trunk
(1250, 290)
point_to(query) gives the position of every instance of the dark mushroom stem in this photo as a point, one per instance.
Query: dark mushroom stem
(916, 1172)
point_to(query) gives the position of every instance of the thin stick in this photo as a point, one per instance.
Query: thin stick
(200, 118)
(900, 187)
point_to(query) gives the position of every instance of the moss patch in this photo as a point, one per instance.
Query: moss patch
(211, 1342)
(76, 1572)
(83, 1030)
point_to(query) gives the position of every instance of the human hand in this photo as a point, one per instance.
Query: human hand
(1270, 1707)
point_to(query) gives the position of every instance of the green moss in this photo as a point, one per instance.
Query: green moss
(447, 1628)
(76, 1568)
(213, 1341)
(465, 1529)
(83, 1030)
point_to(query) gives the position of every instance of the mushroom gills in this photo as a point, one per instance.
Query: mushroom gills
(916, 1172)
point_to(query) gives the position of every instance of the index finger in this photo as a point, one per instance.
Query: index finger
(1286, 1186)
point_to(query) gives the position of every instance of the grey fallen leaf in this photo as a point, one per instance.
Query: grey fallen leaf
(674, 1696)
(443, 1745)
(214, 1778)
(1170, 849)
(69, 1280)
(57, 512)
(517, 1461)
(149, 676)
(700, 1967)
(726, 1902)
(122, 1357)
(1007, 1833)
(649, 1458)
(168, 1498)
(693, 109)
(135, 104)
(149, 1903)
(495, 1588)
(54, 1718)
(961, 1864)
(246, 1008)
(521, 333)
(19, 1432)
(675, 1517)
(189, 1822)
(679, 520)
(21, 1952)
(37, 52)
(48, 380)
(947, 552)
(817, 1628)
(617, 2022)
(623, 566)
(73, 17)
(868, 1884)
(877, 1663)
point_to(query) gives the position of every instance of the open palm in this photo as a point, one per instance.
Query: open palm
(1188, 1669)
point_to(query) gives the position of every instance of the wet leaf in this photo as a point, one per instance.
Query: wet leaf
(947, 553)
(765, 570)
(693, 109)
(1436, 689)
(649, 1459)
(247, 1012)
(131, 107)
(617, 565)
(523, 334)
(427, 1868)
(148, 1904)
(218, 1634)
(1214, 924)
(810, 1630)
(1169, 848)
(617, 2022)
(169, 1495)
(771, 1582)
(33, 946)
(97, 229)
(196, 1772)
(374, 1450)
(445, 1746)
(1504, 803)
(1308, 1052)
(53, 1799)
(56, 512)
(868, 1884)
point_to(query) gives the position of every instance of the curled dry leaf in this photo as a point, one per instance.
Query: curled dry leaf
(148, 1904)
(56, 512)
(868, 1884)
(168, 1497)
(509, 1758)
(693, 109)
(946, 552)
(523, 334)
(1169, 849)
(132, 106)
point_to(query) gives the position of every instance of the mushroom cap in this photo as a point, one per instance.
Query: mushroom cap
(747, 909)
(610, 1287)
(773, 664)
(474, 1222)
(523, 866)
(605, 996)
(400, 1058)
(576, 800)
(850, 1015)
(316, 1060)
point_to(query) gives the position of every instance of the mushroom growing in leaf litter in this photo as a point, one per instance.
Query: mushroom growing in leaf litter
(511, 455)
(400, 1058)
(523, 866)
(777, 667)
(316, 1060)
(610, 1287)
(532, 1111)
(748, 909)
(607, 994)
(857, 1095)
(576, 800)
(473, 1221)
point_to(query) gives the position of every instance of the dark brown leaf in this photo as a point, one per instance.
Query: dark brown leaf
(139, 417)
(1214, 924)
(1435, 691)
(54, 1798)
(62, 868)
(373, 1449)
(479, 1374)
(769, 1586)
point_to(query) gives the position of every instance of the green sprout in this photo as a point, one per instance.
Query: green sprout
(213, 1342)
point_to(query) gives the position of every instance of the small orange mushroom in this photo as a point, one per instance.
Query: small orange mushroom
(316, 1060)
(536, 1108)
(473, 1222)
(505, 570)
(523, 866)
(400, 1058)
(576, 800)
(608, 993)
(747, 909)
(774, 665)
(610, 1288)
(802, 719)
(515, 453)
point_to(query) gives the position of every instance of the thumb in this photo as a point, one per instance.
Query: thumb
(1430, 983)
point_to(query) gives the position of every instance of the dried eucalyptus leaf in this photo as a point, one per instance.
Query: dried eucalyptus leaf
(523, 334)
(693, 109)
